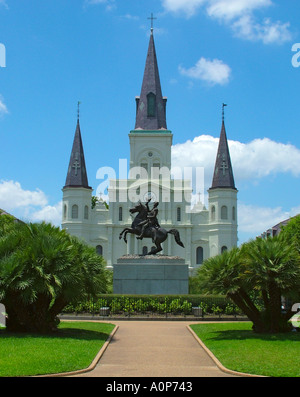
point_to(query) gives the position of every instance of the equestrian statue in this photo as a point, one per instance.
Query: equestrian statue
(145, 225)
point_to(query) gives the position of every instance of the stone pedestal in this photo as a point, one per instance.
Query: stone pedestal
(151, 275)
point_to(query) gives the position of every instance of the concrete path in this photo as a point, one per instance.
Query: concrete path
(155, 349)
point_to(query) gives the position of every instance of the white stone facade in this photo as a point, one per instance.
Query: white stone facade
(204, 232)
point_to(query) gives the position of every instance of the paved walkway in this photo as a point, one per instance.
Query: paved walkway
(155, 349)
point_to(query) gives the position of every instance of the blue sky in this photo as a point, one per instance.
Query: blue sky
(239, 52)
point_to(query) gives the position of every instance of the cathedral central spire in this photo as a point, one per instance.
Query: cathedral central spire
(151, 105)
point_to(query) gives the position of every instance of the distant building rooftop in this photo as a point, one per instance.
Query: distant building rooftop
(2, 212)
(275, 230)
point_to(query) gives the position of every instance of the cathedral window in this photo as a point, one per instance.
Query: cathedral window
(65, 211)
(120, 214)
(233, 214)
(151, 102)
(145, 166)
(145, 250)
(213, 213)
(99, 250)
(223, 249)
(75, 211)
(199, 256)
(86, 212)
(178, 214)
(224, 212)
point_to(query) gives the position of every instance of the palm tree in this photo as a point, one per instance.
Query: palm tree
(42, 269)
(223, 274)
(272, 267)
(268, 267)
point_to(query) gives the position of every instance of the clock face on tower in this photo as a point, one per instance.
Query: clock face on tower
(150, 195)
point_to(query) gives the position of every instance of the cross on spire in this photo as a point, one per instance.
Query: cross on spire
(76, 164)
(78, 109)
(224, 165)
(152, 19)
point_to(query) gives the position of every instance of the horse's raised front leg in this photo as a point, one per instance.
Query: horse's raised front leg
(125, 230)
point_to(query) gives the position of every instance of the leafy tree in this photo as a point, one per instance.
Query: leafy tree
(291, 231)
(42, 269)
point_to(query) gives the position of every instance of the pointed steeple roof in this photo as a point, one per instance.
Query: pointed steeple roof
(151, 105)
(77, 176)
(223, 174)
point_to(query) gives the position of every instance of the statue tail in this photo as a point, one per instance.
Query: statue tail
(177, 236)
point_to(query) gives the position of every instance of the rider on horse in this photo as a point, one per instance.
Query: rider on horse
(151, 221)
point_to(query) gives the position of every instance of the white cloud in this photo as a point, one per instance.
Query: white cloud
(49, 213)
(3, 107)
(229, 9)
(188, 7)
(95, 1)
(239, 16)
(256, 220)
(268, 32)
(110, 4)
(213, 72)
(130, 17)
(3, 3)
(28, 205)
(251, 161)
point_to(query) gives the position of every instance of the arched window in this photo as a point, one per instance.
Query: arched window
(213, 213)
(224, 212)
(178, 214)
(120, 214)
(145, 250)
(65, 211)
(151, 104)
(233, 214)
(145, 166)
(99, 250)
(199, 256)
(223, 249)
(86, 212)
(75, 211)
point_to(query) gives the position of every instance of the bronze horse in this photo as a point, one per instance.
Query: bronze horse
(158, 236)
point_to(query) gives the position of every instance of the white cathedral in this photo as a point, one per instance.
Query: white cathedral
(205, 232)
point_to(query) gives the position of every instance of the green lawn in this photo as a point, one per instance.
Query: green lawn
(238, 348)
(72, 347)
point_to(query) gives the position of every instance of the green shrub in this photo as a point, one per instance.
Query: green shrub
(175, 304)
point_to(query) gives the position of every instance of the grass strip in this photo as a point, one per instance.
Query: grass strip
(72, 347)
(238, 348)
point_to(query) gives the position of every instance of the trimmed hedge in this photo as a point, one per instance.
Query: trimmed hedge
(176, 304)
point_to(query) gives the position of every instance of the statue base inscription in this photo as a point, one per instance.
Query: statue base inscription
(151, 275)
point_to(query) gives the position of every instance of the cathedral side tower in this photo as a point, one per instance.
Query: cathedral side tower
(222, 198)
(77, 194)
